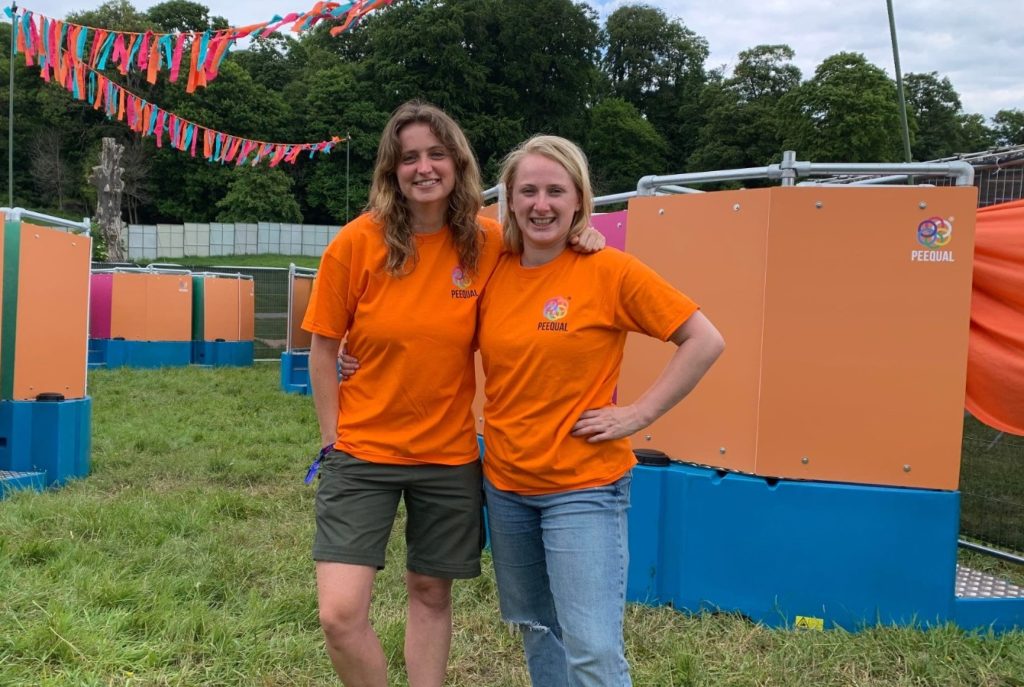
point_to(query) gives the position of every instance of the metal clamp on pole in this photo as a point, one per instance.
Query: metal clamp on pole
(787, 168)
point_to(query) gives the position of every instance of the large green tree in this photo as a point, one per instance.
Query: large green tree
(975, 133)
(183, 15)
(935, 105)
(336, 103)
(765, 73)
(657, 64)
(1009, 127)
(503, 68)
(847, 112)
(622, 147)
(742, 126)
(258, 194)
(232, 104)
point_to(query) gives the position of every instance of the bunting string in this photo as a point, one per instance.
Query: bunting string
(146, 119)
(46, 41)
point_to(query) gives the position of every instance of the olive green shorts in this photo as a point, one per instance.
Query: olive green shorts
(356, 502)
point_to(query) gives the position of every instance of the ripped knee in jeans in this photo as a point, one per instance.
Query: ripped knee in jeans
(524, 626)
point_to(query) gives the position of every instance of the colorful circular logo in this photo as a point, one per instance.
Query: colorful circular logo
(556, 308)
(934, 232)
(460, 278)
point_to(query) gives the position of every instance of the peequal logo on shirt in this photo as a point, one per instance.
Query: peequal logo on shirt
(462, 282)
(555, 310)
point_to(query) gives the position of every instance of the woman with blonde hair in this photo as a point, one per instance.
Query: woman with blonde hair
(557, 458)
(400, 284)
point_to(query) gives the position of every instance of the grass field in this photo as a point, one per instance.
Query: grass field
(262, 260)
(184, 560)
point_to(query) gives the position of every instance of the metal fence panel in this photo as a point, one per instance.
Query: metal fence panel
(270, 287)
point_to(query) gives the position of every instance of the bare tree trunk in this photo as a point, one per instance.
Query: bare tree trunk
(48, 168)
(106, 177)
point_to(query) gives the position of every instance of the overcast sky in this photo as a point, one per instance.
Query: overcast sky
(978, 44)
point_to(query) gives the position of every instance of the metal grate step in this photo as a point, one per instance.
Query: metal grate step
(9, 474)
(975, 584)
(10, 481)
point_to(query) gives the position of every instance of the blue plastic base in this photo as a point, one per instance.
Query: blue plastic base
(799, 554)
(295, 372)
(145, 354)
(97, 353)
(49, 437)
(997, 615)
(222, 353)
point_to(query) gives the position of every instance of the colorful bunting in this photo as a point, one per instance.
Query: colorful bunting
(45, 40)
(146, 119)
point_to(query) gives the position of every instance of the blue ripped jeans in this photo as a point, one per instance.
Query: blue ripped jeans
(560, 561)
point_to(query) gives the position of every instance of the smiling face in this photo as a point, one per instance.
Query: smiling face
(544, 203)
(426, 170)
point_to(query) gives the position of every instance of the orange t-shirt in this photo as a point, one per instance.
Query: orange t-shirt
(410, 402)
(551, 340)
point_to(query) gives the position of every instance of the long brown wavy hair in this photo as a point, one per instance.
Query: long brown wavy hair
(391, 208)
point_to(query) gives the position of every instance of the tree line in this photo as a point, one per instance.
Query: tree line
(636, 93)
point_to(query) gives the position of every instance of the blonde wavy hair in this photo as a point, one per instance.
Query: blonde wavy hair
(571, 158)
(391, 208)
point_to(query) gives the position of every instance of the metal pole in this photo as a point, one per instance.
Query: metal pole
(10, 110)
(348, 148)
(988, 551)
(899, 81)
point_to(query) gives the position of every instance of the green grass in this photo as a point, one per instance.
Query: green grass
(262, 260)
(184, 560)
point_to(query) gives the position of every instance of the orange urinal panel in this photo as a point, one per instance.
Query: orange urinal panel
(846, 336)
(865, 344)
(53, 310)
(220, 309)
(302, 288)
(128, 306)
(169, 307)
(712, 248)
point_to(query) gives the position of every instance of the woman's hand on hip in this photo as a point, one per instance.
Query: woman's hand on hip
(347, 364)
(610, 422)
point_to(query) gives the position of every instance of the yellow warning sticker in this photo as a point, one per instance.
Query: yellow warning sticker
(806, 622)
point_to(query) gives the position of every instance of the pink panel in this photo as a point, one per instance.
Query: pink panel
(613, 226)
(100, 297)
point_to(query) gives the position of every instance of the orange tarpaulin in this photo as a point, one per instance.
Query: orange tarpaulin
(995, 359)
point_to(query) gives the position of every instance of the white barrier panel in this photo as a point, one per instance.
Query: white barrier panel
(149, 242)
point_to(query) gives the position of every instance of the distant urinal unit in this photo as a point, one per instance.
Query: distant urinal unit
(295, 359)
(45, 413)
(141, 318)
(223, 319)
